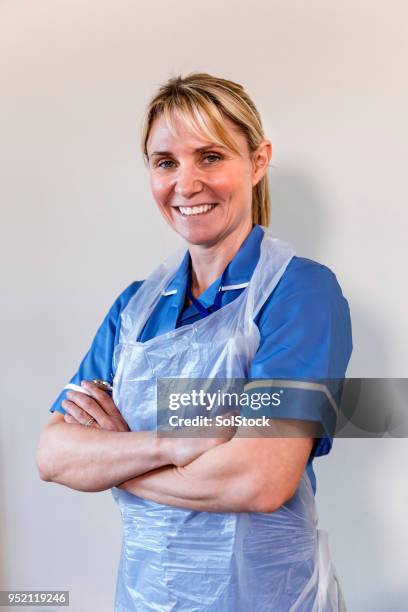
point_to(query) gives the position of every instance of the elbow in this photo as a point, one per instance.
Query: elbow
(264, 503)
(42, 466)
(250, 494)
(53, 466)
(266, 499)
(44, 458)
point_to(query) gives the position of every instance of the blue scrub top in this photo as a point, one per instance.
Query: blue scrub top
(304, 325)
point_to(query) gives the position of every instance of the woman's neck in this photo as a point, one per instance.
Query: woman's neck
(208, 263)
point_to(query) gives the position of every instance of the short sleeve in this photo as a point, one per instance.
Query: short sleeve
(97, 362)
(305, 340)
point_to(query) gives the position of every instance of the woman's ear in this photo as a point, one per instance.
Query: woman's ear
(261, 158)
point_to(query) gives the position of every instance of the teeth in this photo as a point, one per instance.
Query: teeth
(195, 210)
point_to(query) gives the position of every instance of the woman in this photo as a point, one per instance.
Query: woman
(214, 524)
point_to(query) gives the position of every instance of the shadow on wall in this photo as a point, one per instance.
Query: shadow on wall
(300, 214)
(299, 211)
(373, 348)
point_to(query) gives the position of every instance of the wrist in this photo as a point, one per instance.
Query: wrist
(147, 447)
(163, 449)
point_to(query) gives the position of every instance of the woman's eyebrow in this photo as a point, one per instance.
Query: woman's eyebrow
(199, 150)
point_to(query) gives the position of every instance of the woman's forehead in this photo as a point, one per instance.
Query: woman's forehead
(185, 131)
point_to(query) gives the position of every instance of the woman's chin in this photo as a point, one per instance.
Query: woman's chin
(198, 235)
(197, 231)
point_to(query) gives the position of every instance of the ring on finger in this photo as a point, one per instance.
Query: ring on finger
(89, 422)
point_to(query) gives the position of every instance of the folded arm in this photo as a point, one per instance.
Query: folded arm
(246, 474)
(87, 459)
(99, 457)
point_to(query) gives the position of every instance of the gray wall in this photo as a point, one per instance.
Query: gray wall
(79, 224)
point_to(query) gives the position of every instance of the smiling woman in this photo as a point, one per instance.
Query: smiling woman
(225, 523)
(204, 191)
(205, 174)
(194, 177)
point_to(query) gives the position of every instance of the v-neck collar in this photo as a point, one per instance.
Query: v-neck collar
(238, 274)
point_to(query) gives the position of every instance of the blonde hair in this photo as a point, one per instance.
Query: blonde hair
(203, 101)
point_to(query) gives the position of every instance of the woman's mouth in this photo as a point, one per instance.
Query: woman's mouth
(189, 211)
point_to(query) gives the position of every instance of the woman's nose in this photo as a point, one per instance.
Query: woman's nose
(187, 182)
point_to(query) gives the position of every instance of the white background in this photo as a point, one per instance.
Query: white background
(79, 224)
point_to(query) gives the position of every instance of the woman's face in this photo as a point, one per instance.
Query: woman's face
(203, 190)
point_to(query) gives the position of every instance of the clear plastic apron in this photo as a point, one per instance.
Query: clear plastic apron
(180, 560)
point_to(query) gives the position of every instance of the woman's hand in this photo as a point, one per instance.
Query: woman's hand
(182, 450)
(178, 451)
(80, 408)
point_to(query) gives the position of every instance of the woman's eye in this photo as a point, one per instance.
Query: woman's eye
(213, 157)
(164, 161)
(210, 158)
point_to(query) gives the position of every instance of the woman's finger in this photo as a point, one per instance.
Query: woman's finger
(86, 406)
(68, 418)
(74, 414)
(82, 407)
(102, 397)
(104, 400)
